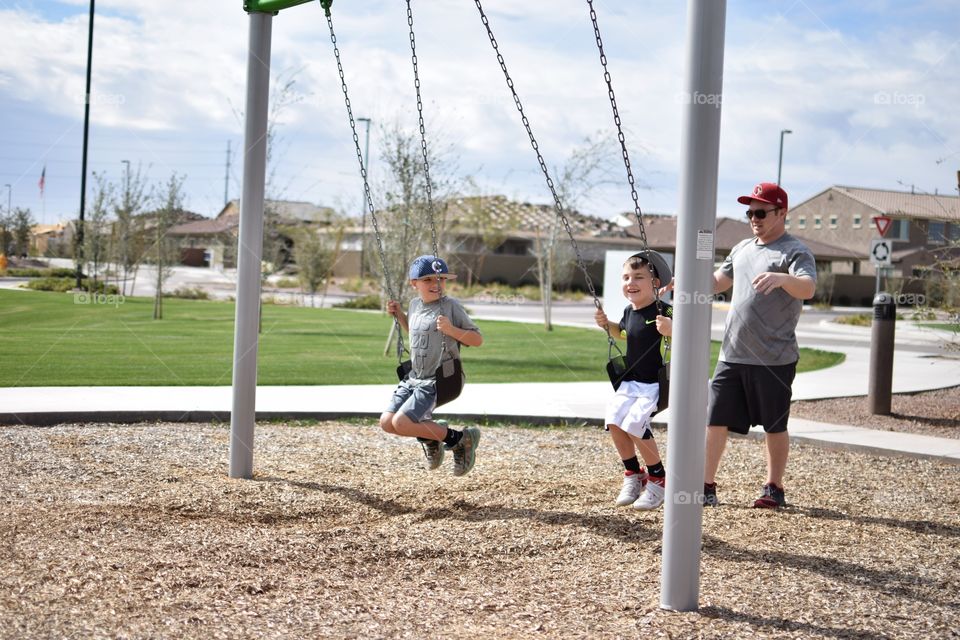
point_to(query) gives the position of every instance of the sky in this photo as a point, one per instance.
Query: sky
(869, 90)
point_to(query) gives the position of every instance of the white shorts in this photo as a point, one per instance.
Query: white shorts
(632, 405)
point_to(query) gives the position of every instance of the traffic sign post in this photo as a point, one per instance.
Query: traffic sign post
(881, 255)
(883, 224)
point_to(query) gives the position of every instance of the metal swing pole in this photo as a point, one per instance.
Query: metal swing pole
(682, 520)
(250, 247)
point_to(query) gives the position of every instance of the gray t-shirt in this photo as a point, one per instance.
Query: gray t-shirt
(426, 341)
(761, 328)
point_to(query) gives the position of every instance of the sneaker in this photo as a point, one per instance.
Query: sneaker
(652, 496)
(465, 451)
(710, 495)
(631, 489)
(772, 497)
(433, 451)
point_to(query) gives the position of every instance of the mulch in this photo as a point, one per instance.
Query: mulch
(136, 531)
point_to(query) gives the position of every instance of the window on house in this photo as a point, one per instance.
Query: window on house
(786, 222)
(817, 222)
(954, 231)
(802, 222)
(936, 232)
(857, 221)
(833, 222)
(899, 230)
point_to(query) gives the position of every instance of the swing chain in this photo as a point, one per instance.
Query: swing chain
(366, 183)
(623, 142)
(423, 134)
(543, 166)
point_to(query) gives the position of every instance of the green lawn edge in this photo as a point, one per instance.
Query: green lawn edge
(51, 339)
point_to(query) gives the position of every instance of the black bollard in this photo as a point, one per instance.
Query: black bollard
(881, 353)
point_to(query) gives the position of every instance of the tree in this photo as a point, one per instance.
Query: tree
(6, 233)
(128, 238)
(314, 255)
(405, 220)
(165, 251)
(95, 237)
(21, 223)
(588, 167)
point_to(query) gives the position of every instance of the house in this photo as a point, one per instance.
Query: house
(212, 242)
(661, 233)
(51, 239)
(925, 228)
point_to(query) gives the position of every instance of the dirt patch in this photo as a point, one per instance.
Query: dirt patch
(934, 413)
(136, 531)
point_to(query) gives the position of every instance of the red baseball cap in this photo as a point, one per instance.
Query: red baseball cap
(766, 192)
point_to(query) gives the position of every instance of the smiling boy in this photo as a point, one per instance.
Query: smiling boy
(635, 401)
(437, 325)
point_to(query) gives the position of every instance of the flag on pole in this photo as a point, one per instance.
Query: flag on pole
(43, 180)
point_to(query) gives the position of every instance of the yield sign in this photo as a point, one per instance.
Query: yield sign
(883, 223)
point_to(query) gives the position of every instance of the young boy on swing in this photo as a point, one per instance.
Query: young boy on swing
(411, 408)
(635, 401)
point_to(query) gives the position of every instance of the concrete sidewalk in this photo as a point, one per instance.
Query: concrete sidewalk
(520, 402)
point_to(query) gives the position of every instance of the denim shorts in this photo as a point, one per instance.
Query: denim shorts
(415, 398)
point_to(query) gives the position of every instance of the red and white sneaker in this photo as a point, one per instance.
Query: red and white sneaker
(633, 484)
(652, 496)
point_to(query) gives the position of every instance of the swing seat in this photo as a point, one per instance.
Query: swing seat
(450, 379)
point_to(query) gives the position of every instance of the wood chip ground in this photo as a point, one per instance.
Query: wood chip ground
(115, 531)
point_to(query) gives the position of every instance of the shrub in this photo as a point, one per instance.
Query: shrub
(370, 301)
(62, 285)
(30, 272)
(859, 320)
(287, 283)
(188, 293)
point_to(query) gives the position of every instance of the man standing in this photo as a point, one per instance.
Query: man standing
(771, 273)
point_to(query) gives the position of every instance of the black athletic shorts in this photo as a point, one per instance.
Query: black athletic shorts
(744, 395)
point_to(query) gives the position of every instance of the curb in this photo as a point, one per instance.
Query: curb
(53, 418)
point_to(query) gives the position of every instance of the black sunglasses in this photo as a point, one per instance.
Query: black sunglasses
(759, 214)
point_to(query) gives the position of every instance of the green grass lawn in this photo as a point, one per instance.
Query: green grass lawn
(48, 340)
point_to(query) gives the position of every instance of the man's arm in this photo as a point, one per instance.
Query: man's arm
(801, 287)
(721, 281)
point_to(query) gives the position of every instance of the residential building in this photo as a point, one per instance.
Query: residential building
(925, 228)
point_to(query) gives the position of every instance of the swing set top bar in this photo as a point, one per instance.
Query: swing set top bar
(275, 6)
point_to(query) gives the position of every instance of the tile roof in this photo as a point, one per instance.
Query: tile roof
(525, 218)
(906, 204)
(207, 226)
(290, 210)
(662, 236)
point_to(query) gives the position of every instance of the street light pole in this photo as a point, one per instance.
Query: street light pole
(363, 204)
(780, 162)
(78, 254)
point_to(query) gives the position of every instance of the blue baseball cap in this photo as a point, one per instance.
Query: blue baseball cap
(428, 265)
